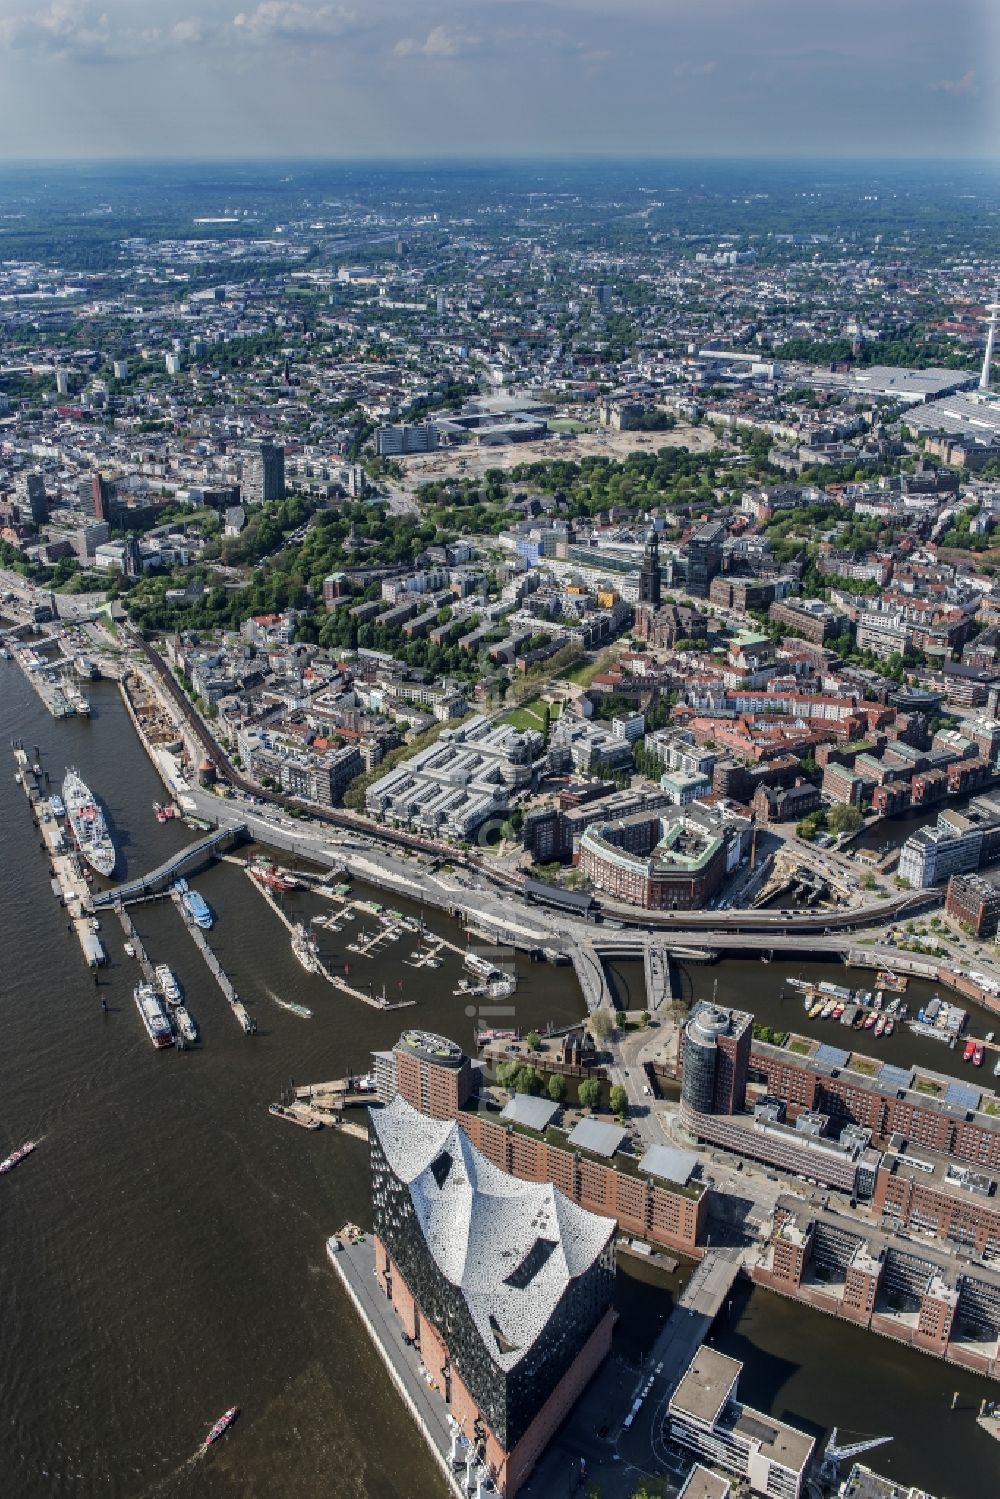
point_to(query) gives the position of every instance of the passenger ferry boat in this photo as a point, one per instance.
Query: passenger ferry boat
(16, 1157)
(223, 1424)
(158, 1027)
(169, 986)
(197, 908)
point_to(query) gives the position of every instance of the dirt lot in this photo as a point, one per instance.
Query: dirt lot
(471, 462)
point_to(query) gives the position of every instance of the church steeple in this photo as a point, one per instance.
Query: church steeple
(649, 577)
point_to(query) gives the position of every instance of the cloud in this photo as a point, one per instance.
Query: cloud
(965, 87)
(695, 69)
(76, 29)
(441, 41)
(291, 20)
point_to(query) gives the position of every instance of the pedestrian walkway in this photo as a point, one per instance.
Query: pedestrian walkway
(355, 1266)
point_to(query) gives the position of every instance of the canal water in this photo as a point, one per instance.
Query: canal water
(763, 988)
(803, 1367)
(162, 1253)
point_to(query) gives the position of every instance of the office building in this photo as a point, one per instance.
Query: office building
(974, 903)
(31, 492)
(660, 863)
(263, 471)
(432, 1073)
(408, 437)
(505, 1287)
(96, 496)
(704, 557)
(706, 1416)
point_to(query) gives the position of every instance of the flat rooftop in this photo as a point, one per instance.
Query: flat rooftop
(701, 1483)
(705, 1389)
(778, 1442)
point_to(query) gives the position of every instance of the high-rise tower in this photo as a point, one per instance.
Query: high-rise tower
(991, 328)
(649, 577)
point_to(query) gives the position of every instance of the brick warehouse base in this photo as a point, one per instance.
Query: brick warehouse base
(511, 1469)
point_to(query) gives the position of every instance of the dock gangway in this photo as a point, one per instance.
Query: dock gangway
(187, 861)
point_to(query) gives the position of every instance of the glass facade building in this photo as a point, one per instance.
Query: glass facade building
(513, 1277)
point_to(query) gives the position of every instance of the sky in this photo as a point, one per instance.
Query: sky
(394, 78)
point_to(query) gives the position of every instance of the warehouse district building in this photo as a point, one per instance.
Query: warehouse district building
(921, 1162)
(506, 1287)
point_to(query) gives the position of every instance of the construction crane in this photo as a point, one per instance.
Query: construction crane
(834, 1454)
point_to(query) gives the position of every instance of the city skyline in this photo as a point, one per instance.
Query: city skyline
(290, 78)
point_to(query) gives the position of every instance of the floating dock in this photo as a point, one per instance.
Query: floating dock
(68, 882)
(62, 697)
(247, 1024)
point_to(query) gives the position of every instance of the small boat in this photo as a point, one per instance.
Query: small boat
(870, 1020)
(969, 1052)
(169, 987)
(223, 1424)
(838, 1010)
(16, 1157)
(890, 1026)
(879, 1026)
(996, 1067)
(160, 813)
(184, 1023)
(296, 1009)
(129, 950)
(977, 1055)
(827, 1010)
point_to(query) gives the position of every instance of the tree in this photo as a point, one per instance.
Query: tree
(619, 1100)
(528, 1080)
(557, 1087)
(645, 1018)
(844, 818)
(600, 1024)
(507, 1072)
(620, 1019)
(589, 1093)
(532, 1041)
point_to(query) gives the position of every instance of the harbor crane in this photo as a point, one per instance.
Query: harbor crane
(835, 1453)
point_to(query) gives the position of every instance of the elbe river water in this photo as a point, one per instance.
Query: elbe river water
(162, 1253)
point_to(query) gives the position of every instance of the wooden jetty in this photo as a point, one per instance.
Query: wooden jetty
(324, 972)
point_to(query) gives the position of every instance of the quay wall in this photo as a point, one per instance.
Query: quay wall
(400, 1386)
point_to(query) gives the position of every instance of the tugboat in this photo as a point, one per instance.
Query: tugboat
(222, 1425)
(264, 871)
